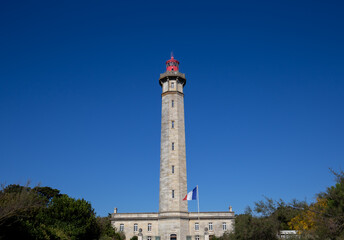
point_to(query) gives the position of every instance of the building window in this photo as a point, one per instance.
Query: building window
(197, 237)
(172, 124)
(210, 226)
(121, 227)
(172, 103)
(149, 238)
(135, 227)
(224, 226)
(149, 227)
(172, 84)
(173, 146)
(196, 226)
(172, 168)
(172, 193)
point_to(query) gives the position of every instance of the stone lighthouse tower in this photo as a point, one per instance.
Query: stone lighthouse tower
(173, 221)
(173, 185)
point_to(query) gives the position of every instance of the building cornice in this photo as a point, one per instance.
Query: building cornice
(172, 92)
(173, 215)
(166, 76)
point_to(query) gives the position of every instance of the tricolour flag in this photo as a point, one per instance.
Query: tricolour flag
(191, 195)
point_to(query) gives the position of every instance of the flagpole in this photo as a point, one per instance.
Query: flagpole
(198, 202)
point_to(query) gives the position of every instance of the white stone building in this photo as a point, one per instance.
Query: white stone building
(173, 221)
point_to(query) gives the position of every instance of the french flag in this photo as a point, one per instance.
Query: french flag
(191, 195)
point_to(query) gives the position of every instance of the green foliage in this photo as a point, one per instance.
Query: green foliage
(18, 204)
(248, 227)
(74, 218)
(227, 236)
(335, 207)
(42, 213)
(119, 236)
(265, 221)
(322, 220)
(329, 222)
(134, 238)
(279, 211)
(47, 193)
(106, 230)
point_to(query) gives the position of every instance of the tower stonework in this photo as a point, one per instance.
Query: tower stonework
(173, 211)
(173, 186)
(173, 221)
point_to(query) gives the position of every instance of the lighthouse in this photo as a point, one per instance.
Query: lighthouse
(173, 181)
(173, 186)
(173, 221)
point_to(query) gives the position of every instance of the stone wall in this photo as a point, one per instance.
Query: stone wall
(172, 156)
(141, 219)
(182, 226)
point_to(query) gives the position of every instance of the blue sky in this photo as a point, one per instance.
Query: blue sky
(80, 100)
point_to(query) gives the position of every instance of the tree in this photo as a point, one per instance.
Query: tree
(47, 193)
(17, 205)
(265, 221)
(43, 213)
(73, 218)
(307, 219)
(334, 210)
(324, 219)
(16, 201)
(279, 211)
(248, 227)
(107, 232)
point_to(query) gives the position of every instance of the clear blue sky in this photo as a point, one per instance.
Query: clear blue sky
(80, 100)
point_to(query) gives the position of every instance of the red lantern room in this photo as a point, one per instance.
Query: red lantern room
(172, 65)
(172, 74)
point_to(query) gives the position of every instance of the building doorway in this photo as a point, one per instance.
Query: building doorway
(173, 237)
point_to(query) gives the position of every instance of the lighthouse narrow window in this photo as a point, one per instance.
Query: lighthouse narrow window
(196, 226)
(172, 124)
(135, 227)
(121, 227)
(172, 103)
(172, 168)
(172, 193)
(172, 84)
(149, 227)
(173, 146)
